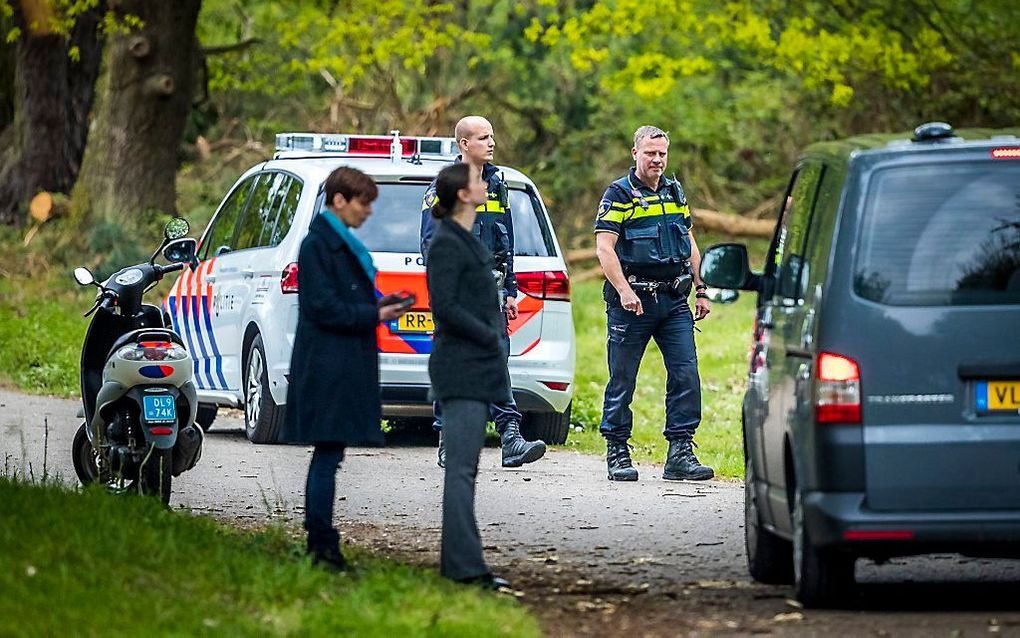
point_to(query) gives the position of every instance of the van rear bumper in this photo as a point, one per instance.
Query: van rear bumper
(842, 520)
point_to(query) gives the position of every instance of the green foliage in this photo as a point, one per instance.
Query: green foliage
(129, 563)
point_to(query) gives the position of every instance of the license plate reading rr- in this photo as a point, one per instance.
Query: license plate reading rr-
(998, 396)
(159, 409)
(416, 322)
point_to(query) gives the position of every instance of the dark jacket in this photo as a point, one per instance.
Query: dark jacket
(494, 224)
(468, 353)
(333, 396)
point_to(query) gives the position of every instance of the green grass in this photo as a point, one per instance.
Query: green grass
(41, 332)
(91, 564)
(722, 357)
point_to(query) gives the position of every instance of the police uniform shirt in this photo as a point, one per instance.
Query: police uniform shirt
(494, 224)
(653, 226)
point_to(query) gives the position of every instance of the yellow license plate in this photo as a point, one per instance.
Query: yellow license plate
(999, 395)
(416, 322)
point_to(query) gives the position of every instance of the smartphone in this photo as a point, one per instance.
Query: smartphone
(402, 298)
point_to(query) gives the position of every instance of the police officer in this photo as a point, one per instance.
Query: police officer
(650, 260)
(494, 227)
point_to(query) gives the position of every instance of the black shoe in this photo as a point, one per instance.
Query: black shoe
(516, 450)
(329, 559)
(618, 459)
(441, 454)
(681, 464)
(488, 581)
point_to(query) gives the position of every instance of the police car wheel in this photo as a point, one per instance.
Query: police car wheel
(206, 415)
(262, 417)
(551, 427)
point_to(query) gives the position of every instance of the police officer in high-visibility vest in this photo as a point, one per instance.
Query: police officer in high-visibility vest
(494, 227)
(650, 259)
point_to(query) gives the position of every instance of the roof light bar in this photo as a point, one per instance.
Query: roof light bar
(392, 145)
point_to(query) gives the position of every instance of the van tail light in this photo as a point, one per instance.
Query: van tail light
(838, 394)
(288, 280)
(550, 284)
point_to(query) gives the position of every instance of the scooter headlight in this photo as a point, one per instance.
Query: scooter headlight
(153, 352)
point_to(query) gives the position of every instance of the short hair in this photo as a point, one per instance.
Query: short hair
(653, 132)
(449, 182)
(352, 184)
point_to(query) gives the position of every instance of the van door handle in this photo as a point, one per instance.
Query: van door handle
(247, 273)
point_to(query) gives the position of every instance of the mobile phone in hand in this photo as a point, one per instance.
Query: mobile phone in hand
(403, 299)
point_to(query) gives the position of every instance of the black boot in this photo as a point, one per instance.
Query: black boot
(517, 451)
(441, 455)
(681, 464)
(618, 460)
(329, 558)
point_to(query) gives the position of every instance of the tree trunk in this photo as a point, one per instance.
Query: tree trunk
(142, 102)
(44, 144)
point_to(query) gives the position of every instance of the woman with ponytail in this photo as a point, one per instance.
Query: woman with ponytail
(468, 362)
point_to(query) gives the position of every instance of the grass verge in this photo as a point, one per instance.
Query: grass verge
(84, 563)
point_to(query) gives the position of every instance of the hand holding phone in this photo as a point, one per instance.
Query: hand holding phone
(402, 299)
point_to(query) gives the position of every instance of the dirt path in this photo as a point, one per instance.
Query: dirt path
(590, 556)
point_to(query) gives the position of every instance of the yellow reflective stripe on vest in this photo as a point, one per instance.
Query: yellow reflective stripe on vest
(491, 206)
(657, 211)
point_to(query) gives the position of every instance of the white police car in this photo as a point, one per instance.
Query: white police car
(238, 310)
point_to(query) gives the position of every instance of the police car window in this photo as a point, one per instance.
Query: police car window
(287, 211)
(220, 237)
(262, 208)
(395, 222)
(941, 234)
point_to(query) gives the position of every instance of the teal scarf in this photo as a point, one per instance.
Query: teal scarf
(358, 248)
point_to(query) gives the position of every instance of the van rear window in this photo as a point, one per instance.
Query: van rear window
(395, 223)
(941, 234)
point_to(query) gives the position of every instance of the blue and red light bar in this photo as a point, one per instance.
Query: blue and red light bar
(392, 145)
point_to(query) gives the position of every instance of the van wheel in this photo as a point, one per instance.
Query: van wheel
(262, 417)
(551, 427)
(769, 557)
(206, 415)
(822, 577)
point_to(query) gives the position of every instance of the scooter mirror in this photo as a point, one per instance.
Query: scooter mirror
(84, 276)
(182, 251)
(176, 228)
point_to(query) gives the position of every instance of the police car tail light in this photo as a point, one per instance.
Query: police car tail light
(288, 280)
(553, 285)
(1006, 153)
(838, 392)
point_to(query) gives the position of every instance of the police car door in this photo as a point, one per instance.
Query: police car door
(245, 273)
(195, 301)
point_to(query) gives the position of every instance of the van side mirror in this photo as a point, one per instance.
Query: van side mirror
(722, 295)
(182, 251)
(727, 266)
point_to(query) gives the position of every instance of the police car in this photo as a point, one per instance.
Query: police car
(237, 311)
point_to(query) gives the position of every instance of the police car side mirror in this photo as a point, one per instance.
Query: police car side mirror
(727, 266)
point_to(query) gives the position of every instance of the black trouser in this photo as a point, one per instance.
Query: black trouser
(320, 496)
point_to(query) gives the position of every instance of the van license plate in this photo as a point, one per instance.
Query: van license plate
(159, 408)
(998, 396)
(416, 322)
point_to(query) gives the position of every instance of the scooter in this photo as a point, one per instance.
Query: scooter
(138, 398)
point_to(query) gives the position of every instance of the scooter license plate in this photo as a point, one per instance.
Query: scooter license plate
(159, 409)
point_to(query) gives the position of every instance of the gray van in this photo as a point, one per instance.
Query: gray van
(882, 413)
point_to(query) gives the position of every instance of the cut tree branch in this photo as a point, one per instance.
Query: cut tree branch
(231, 48)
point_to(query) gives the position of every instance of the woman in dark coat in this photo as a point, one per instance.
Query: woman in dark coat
(468, 362)
(333, 396)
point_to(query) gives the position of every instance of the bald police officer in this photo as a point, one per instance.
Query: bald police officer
(650, 260)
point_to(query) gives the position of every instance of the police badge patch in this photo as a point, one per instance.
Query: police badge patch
(603, 208)
(430, 199)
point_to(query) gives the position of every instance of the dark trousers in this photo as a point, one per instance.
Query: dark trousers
(669, 321)
(499, 413)
(320, 495)
(460, 556)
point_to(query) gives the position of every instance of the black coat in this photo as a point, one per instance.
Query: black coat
(333, 395)
(468, 353)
